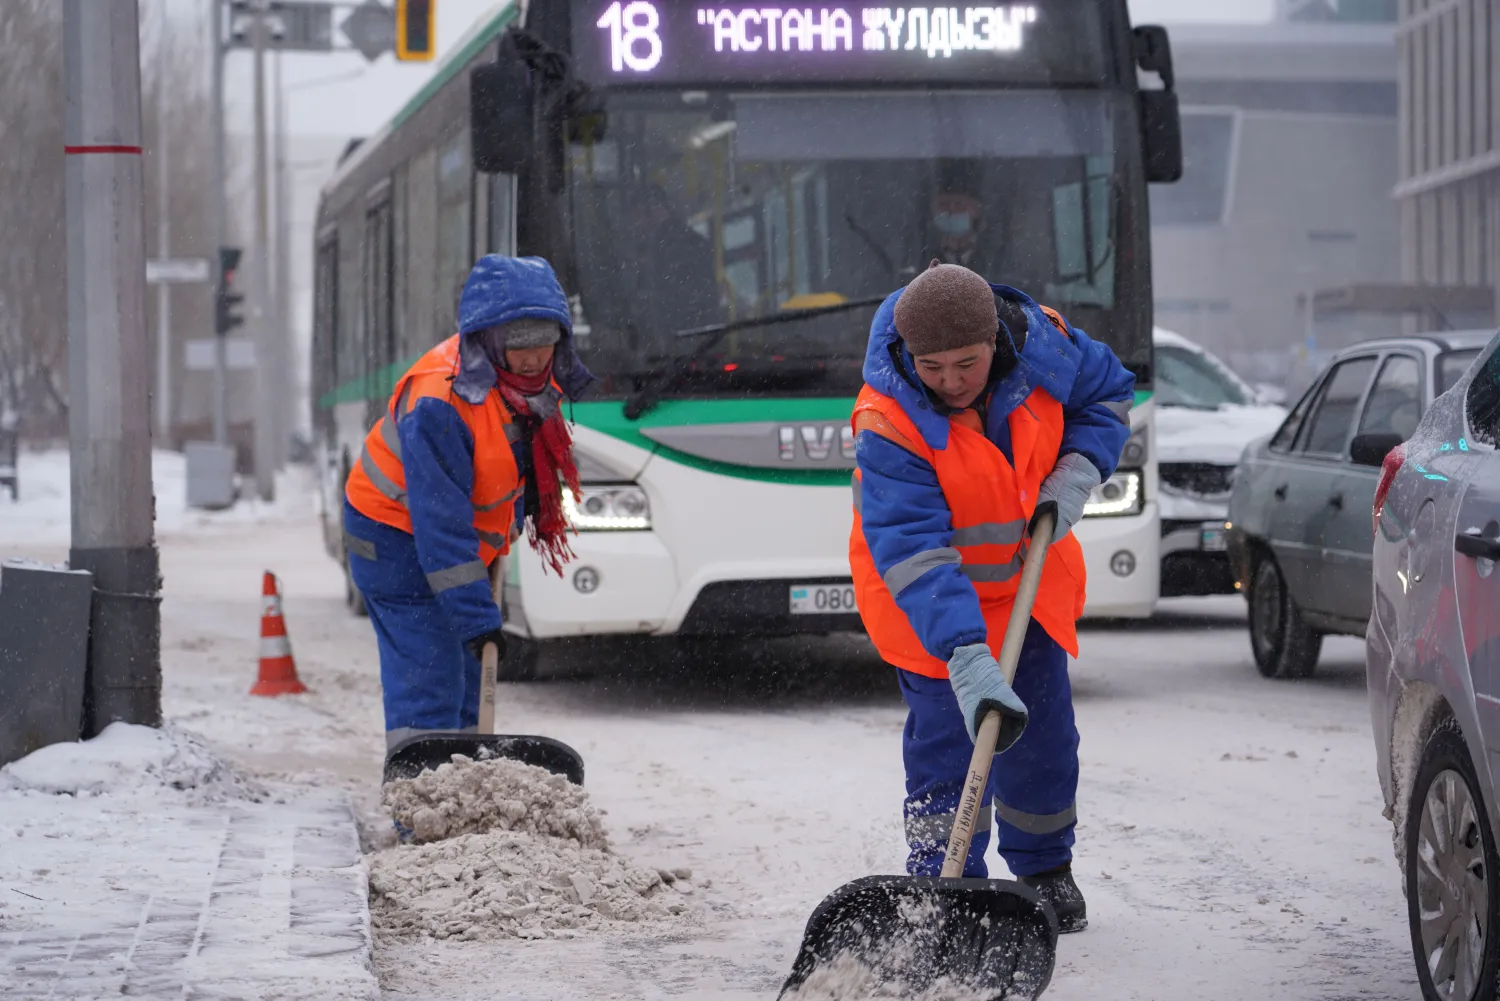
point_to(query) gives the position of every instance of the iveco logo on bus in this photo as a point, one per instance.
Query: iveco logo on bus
(816, 439)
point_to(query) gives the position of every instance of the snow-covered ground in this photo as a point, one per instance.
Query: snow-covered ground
(41, 517)
(139, 864)
(1230, 843)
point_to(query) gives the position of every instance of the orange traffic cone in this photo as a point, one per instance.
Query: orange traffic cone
(278, 672)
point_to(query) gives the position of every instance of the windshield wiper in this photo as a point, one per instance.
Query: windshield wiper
(650, 393)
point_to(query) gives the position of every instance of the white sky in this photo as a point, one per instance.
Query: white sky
(369, 94)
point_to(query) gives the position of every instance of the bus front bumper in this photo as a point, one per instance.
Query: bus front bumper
(1123, 556)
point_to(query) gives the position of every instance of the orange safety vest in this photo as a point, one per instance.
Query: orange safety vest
(991, 503)
(377, 484)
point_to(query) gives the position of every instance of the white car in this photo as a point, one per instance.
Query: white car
(1205, 416)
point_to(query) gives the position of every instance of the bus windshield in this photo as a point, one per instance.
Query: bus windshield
(702, 207)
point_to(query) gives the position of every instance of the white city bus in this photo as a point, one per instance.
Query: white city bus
(687, 166)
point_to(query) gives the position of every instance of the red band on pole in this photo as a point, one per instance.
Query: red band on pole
(71, 150)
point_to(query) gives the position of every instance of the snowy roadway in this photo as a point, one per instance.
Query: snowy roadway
(1230, 838)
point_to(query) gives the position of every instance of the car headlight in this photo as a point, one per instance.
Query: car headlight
(1118, 495)
(608, 509)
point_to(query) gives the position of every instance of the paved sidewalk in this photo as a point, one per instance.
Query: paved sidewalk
(140, 891)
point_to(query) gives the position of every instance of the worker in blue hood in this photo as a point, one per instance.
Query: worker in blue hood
(472, 446)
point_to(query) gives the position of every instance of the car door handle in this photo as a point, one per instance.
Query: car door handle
(1280, 492)
(1475, 545)
(1336, 502)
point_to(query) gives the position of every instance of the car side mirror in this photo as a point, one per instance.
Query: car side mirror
(1371, 448)
(502, 116)
(1269, 395)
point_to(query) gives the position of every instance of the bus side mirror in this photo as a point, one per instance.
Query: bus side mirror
(1153, 53)
(1161, 136)
(1161, 124)
(502, 116)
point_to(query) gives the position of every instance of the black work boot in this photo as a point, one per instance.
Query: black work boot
(1057, 888)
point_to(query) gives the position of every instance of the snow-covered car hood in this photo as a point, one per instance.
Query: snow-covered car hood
(1187, 434)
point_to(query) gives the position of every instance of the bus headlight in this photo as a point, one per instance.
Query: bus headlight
(1116, 496)
(608, 509)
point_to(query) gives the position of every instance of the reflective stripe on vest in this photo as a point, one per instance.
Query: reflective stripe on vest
(990, 502)
(376, 487)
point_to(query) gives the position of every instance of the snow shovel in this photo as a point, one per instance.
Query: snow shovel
(415, 755)
(910, 935)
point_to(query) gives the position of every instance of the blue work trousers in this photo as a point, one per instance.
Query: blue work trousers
(430, 679)
(1032, 784)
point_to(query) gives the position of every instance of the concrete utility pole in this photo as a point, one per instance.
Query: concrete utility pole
(109, 351)
(284, 368)
(221, 232)
(163, 251)
(262, 312)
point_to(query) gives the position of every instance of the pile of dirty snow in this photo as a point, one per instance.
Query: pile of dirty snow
(465, 796)
(126, 758)
(507, 884)
(509, 850)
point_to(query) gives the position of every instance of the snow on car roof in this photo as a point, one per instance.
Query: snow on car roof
(1162, 337)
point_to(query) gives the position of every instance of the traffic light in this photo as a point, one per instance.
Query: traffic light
(226, 318)
(415, 39)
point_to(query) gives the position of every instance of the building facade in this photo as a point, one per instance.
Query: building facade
(1288, 133)
(1448, 188)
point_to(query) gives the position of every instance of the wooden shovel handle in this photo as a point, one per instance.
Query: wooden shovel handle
(967, 814)
(489, 660)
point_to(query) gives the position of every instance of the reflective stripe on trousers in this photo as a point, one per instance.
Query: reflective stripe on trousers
(935, 828)
(451, 577)
(362, 548)
(1034, 823)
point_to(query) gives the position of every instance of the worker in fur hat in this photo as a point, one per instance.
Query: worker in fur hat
(981, 409)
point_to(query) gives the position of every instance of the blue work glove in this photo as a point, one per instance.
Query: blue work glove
(1065, 491)
(976, 680)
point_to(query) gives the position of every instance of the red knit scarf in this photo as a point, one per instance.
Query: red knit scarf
(552, 465)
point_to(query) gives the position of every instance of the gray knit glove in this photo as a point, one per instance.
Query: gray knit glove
(1066, 490)
(980, 688)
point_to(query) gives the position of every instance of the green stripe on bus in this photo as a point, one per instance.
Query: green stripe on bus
(608, 417)
(455, 62)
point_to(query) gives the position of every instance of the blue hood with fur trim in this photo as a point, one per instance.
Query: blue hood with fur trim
(500, 289)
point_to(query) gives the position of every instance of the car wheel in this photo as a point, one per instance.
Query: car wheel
(1284, 645)
(520, 660)
(1452, 904)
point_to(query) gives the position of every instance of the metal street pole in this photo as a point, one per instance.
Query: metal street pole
(284, 381)
(109, 416)
(163, 243)
(261, 307)
(221, 380)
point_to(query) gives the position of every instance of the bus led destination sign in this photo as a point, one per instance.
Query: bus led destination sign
(660, 41)
(933, 30)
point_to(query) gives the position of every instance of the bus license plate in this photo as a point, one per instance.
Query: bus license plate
(822, 599)
(1213, 540)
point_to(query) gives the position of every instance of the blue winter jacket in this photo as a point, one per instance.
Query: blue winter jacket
(901, 504)
(437, 448)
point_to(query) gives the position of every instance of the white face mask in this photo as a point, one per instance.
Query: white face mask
(953, 223)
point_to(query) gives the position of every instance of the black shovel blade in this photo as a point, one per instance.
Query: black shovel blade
(415, 755)
(990, 938)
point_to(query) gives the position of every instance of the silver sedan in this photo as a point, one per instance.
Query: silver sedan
(1433, 662)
